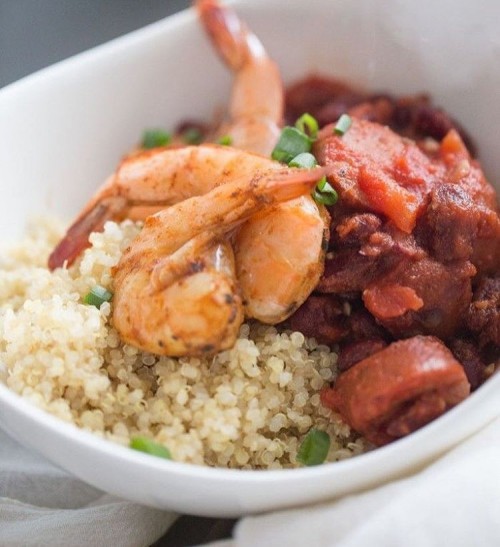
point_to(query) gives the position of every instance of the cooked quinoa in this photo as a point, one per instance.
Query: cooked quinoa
(247, 407)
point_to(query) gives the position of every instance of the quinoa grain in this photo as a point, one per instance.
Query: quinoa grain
(247, 407)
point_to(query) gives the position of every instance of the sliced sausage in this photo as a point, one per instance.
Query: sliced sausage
(398, 389)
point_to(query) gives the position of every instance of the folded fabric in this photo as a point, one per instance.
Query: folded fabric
(455, 501)
(42, 505)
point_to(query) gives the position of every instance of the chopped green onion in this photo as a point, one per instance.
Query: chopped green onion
(305, 159)
(324, 186)
(225, 140)
(314, 448)
(192, 136)
(97, 296)
(308, 124)
(143, 444)
(342, 125)
(152, 138)
(324, 193)
(291, 143)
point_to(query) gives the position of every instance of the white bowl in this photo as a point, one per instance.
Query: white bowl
(63, 130)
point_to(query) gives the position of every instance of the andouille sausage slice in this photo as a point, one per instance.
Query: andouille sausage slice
(398, 389)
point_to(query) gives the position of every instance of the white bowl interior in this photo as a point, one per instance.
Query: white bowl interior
(64, 129)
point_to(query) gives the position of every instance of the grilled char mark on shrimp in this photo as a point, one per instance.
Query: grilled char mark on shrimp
(167, 299)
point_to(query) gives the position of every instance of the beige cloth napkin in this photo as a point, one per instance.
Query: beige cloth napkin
(40, 505)
(454, 502)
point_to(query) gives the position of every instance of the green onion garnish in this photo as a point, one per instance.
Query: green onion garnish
(97, 296)
(291, 143)
(143, 444)
(305, 160)
(342, 125)
(324, 193)
(192, 136)
(225, 140)
(314, 448)
(308, 124)
(153, 138)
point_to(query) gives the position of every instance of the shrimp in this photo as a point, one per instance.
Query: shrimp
(172, 296)
(278, 272)
(280, 251)
(149, 181)
(276, 269)
(257, 99)
(279, 256)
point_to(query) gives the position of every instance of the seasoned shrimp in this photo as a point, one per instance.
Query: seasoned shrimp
(280, 251)
(276, 269)
(172, 296)
(279, 258)
(257, 98)
(151, 180)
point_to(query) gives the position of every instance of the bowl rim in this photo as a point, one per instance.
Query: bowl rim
(385, 454)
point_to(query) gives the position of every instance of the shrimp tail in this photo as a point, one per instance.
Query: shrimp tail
(76, 239)
(233, 41)
(277, 186)
(257, 99)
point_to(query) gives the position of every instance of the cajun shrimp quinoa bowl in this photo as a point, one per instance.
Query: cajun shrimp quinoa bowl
(314, 276)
